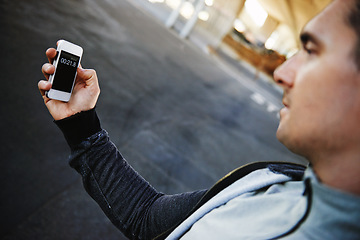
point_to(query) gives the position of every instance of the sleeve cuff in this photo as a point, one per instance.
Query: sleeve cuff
(80, 126)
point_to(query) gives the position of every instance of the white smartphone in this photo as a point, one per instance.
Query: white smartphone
(66, 63)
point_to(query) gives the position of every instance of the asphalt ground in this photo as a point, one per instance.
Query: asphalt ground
(181, 117)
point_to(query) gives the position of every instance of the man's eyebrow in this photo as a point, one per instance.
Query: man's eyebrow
(306, 37)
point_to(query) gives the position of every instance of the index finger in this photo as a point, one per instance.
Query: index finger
(51, 54)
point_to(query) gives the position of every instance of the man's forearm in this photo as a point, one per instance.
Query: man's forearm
(129, 201)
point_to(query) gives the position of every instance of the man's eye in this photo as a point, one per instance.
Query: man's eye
(309, 48)
(309, 51)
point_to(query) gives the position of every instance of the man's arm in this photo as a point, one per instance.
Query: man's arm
(130, 202)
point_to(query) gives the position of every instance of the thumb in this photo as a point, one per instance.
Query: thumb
(87, 75)
(84, 74)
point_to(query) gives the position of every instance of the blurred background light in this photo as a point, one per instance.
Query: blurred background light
(256, 12)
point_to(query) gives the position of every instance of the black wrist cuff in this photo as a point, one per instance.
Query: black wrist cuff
(80, 126)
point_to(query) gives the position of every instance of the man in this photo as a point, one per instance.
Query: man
(320, 121)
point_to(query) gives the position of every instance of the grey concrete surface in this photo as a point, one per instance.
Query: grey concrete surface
(182, 118)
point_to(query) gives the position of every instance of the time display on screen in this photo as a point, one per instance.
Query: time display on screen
(68, 62)
(65, 71)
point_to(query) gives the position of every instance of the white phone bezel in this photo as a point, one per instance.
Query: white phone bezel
(70, 48)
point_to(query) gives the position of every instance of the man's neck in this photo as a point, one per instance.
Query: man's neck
(342, 173)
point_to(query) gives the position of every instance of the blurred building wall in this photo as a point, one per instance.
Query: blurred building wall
(215, 23)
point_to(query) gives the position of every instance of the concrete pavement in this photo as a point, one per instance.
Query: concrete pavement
(176, 115)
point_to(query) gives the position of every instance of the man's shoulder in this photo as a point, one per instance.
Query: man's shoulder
(294, 171)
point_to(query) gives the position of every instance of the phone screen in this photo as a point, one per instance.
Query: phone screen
(65, 71)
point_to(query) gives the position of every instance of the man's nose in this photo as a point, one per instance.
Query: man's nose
(284, 75)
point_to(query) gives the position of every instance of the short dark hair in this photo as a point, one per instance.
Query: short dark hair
(354, 21)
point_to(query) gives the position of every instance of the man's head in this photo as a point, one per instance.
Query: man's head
(322, 86)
